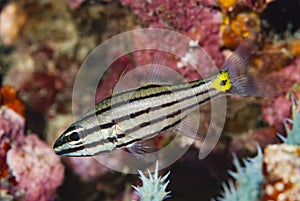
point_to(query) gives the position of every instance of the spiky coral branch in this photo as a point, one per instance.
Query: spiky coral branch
(248, 178)
(154, 187)
(293, 135)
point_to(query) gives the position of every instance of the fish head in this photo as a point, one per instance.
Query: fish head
(71, 142)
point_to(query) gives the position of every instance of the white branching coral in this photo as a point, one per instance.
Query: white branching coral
(154, 186)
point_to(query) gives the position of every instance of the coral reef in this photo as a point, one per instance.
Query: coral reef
(278, 109)
(275, 117)
(154, 187)
(11, 129)
(12, 125)
(293, 136)
(239, 27)
(248, 185)
(10, 99)
(281, 172)
(198, 20)
(24, 182)
(37, 159)
(41, 52)
(282, 180)
(266, 177)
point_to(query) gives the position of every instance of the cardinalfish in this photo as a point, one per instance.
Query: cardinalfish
(154, 108)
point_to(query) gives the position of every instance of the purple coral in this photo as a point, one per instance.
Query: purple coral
(198, 20)
(33, 171)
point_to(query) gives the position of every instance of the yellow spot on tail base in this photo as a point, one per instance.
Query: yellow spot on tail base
(222, 82)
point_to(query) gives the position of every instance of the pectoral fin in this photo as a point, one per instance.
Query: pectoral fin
(189, 126)
(144, 149)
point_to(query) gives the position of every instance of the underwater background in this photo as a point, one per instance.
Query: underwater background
(42, 46)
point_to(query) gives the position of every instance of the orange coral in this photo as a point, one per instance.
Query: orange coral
(228, 5)
(238, 27)
(294, 48)
(9, 98)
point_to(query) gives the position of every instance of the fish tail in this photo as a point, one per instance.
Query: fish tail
(235, 77)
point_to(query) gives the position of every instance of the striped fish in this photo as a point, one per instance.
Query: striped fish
(130, 117)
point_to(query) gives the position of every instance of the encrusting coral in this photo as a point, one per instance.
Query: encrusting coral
(9, 98)
(266, 177)
(41, 61)
(282, 179)
(27, 164)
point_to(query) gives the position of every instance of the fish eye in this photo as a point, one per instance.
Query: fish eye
(74, 136)
(223, 82)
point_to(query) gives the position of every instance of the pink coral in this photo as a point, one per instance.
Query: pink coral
(198, 20)
(280, 107)
(11, 129)
(275, 113)
(289, 74)
(41, 171)
(11, 125)
(29, 167)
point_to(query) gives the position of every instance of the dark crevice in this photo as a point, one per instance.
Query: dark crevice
(281, 16)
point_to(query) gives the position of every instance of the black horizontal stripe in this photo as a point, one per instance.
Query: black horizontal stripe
(70, 150)
(121, 135)
(192, 84)
(148, 86)
(107, 125)
(93, 144)
(171, 115)
(136, 114)
(145, 124)
(144, 87)
(135, 140)
(153, 95)
(127, 143)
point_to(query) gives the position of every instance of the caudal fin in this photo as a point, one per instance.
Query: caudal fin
(244, 83)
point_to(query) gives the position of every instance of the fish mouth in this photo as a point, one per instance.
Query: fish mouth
(58, 143)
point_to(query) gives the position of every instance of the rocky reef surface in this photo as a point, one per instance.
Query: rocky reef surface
(44, 43)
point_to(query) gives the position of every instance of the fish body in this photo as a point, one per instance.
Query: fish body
(132, 116)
